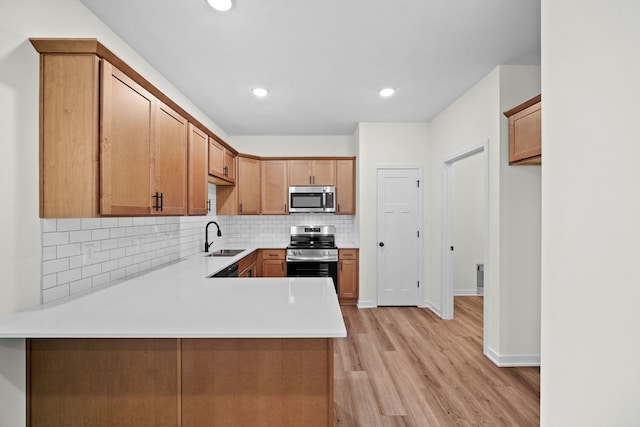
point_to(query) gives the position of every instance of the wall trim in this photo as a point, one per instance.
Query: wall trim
(367, 304)
(514, 360)
(465, 293)
(431, 306)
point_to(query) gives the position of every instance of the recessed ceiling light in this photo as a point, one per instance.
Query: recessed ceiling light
(260, 92)
(221, 5)
(387, 92)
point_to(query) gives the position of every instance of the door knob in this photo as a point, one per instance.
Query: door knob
(381, 244)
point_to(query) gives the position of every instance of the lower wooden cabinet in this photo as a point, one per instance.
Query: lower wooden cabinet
(348, 276)
(248, 266)
(274, 263)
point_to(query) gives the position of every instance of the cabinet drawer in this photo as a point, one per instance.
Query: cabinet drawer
(348, 254)
(273, 254)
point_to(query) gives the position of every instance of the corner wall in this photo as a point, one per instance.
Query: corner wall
(512, 318)
(590, 213)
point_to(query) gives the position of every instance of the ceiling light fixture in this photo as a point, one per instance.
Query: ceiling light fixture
(387, 92)
(221, 5)
(260, 92)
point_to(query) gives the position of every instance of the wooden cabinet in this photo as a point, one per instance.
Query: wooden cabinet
(222, 163)
(321, 172)
(169, 165)
(244, 197)
(345, 187)
(274, 263)
(525, 137)
(197, 185)
(348, 276)
(248, 266)
(69, 131)
(274, 187)
(143, 150)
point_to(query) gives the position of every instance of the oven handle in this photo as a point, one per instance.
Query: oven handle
(294, 258)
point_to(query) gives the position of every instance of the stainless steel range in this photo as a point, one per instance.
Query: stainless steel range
(312, 252)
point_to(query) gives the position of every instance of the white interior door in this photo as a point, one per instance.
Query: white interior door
(398, 237)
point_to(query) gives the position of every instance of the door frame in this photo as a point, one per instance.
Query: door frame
(446, 291)
(418, 168)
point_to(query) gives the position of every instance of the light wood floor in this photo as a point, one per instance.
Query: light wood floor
(404, 366)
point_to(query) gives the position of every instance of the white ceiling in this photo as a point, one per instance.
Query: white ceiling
(324, 61)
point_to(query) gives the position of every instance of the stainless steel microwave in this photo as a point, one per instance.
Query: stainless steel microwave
(312, 199)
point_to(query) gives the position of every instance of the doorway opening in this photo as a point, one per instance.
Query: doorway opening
(460, 265)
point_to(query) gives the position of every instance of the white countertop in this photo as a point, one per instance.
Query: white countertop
(179, 301)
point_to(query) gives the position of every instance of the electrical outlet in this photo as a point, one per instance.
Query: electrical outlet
(87, 253)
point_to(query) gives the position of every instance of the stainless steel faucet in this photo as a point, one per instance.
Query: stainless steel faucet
(206, 235)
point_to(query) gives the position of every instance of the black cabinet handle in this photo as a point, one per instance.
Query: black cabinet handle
(161, 201)
(381, 244)
(209, 205)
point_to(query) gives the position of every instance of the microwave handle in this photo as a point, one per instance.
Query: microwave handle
(324, 200)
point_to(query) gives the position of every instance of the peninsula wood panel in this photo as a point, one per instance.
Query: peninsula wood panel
(103, 382)
(274, 191)
(69, 128)
(257, 382)
(128, 126)
(198, 162)
(169, 149)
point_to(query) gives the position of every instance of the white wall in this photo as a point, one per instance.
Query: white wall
(467, 223)
(380, 144)
(512, 317)
(289, 146)
(590, 212)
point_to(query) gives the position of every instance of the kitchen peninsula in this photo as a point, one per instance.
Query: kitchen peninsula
(174, 347)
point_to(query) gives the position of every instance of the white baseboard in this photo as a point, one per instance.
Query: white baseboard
(367, 304)
(432, 307)
(514, 360)
(465, 293)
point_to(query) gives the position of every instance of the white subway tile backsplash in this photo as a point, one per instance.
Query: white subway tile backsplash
(108, 250)
(55, 266)
(69, 224)
(55, 238)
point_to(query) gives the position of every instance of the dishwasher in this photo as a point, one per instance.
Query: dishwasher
(231, 271)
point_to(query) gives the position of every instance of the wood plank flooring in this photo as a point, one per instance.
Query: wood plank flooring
(404, 366)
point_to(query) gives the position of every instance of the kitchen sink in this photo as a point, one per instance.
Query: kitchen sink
(226, 252)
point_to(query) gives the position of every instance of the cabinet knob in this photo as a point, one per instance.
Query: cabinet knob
(381, 244)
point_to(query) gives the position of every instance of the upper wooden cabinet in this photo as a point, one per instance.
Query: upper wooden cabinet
(345, 187)
(110, 142)
(221, 163)
(274, 188)
(244, 197)
(143, 150)
(525, 138)
(321, 172)
(69, 130)
(198, 165)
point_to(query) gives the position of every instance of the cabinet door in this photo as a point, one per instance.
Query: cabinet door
(170, 161)
(525, 134)
(345, 187)
(299, 172)
(69, 136)
(348, 276)
(248, 186)
(323, 172)
(128, 121)
(229, 166)
(216, 158)
(197, 186)
(274, 268)
(274, 187)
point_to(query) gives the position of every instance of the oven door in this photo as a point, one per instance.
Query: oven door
(314, 269)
